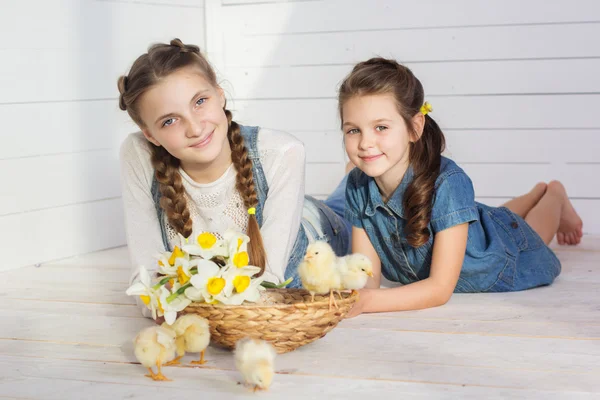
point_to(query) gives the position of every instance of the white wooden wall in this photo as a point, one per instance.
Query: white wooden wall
(514, 84)
(61, 125)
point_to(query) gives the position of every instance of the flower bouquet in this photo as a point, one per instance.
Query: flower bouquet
(212, 277)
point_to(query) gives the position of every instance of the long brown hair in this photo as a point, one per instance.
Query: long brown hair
(382, 76)
(160, 61)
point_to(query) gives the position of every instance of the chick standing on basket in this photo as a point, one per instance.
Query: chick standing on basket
(254, 358)
(155, 345)
(192, 336)
(318, 271)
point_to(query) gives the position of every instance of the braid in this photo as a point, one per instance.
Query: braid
(185, 48)
(122, 86)
(172, 190)
(246, 188)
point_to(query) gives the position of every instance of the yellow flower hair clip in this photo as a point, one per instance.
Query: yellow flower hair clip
(426, 108)
(252, 211)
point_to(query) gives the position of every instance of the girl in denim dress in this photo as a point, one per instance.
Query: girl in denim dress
(414, 212)
(193, 169)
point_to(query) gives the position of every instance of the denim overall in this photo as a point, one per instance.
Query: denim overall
(321, 220)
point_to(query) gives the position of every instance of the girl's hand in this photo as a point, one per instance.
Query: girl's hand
(359, 307)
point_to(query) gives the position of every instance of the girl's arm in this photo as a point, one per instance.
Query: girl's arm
(283, 162)
(144, 239)
(361, 244)
(449, 248)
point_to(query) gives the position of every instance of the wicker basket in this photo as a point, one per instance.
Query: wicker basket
(284, 317)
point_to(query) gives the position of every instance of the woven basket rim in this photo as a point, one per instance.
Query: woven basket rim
(351, 297)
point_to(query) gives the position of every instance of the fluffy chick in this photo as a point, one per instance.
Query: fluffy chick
(318, 271)
(155, 345)
(192, 336)
(355, 269)
(255, 358)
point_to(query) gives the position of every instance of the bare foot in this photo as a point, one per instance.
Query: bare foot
(570, 229)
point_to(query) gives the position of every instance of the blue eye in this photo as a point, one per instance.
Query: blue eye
(168, 122)
(200, 101)
(380, 128)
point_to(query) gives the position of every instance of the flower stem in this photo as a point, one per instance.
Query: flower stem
(162, 282)
(178, 292)
(271, 285)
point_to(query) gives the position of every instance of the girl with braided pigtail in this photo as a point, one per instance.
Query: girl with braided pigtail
(193, 169)
(414, 212)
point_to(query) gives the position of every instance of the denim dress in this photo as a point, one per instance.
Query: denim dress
(321, 220)
(503, 252)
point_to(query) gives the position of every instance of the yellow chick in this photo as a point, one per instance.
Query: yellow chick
(355, 269)
(255, 359)
(192, 336)
(318, 271)
(155, 345)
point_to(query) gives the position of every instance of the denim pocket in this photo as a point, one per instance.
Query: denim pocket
(506, 277)
(512, 225)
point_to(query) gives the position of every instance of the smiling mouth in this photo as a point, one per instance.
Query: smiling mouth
(204, 142)
(370, 158)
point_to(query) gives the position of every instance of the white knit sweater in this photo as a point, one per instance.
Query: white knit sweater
(216, 206)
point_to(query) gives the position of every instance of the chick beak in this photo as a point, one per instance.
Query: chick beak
(370, 274)
(308, 257)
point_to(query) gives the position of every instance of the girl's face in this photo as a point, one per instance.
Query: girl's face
(376, 137)
(184, 114)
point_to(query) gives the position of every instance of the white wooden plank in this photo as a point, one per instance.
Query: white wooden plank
(112, 258)
(322, 147)
(57, 232)
(62, 128)
(71, 309)
(478, 113)
(66, 179)
(444, 44)
(335, 15)
(498, 180)
(46, 274)
(94, 294)
(438, 79)
(83, 65)
(108, 381)
(322, 179)
(533, 146)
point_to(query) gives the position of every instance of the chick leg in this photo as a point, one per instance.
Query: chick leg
(175, 361)
(339, 294)
(202, 360)
(332, 299)
(151, 374)
(160, 376)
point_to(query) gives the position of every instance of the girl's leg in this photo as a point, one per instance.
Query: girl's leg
(554, 214)
(523, 204)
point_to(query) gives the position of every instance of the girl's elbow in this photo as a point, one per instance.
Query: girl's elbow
(443, 295)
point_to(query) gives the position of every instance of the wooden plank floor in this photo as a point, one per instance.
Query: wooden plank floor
(67, 328)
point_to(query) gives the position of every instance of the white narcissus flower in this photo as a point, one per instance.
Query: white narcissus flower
(167, 261)
(172, 307)
(240, 286)
(143, 289)
(206, 246)
(207, 283)
(236, 242)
